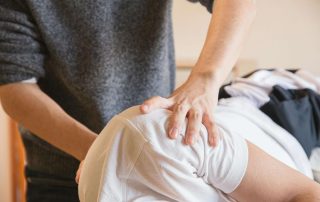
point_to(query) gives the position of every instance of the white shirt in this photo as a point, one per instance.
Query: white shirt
(133, 160)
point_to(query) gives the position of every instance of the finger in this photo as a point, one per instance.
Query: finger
(193, 125)
(177, 119)
(155, 103)
(77, 177)
(213, 136)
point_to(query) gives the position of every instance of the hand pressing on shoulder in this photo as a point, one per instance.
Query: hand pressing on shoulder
(196, 99)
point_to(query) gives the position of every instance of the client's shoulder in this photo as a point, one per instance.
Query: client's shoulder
(135, 116)
(148, 124)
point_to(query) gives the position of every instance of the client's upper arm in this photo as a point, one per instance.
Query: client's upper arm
(267, 179)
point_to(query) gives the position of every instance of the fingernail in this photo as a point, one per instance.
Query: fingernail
(173, 133)
(145, 108)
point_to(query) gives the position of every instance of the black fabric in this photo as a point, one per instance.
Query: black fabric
(223, 93)
(43, 187)
(49, 193)
(207, 3)
(297, 111)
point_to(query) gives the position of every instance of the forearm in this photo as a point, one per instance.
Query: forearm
(32, 108)
(229, 24)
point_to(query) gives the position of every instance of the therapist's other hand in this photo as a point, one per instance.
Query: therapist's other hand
(195, 99)
(79, 172)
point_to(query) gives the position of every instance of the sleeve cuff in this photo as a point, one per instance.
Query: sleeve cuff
(238, 168)
(7, 78)
(31, 81)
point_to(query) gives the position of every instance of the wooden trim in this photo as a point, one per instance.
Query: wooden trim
(12, 162)
(184, 67)
(17, 164)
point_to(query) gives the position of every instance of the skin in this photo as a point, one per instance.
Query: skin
(197, 97)
(268, 179)
(32, 108)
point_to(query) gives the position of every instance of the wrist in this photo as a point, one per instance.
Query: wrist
(84, 139)
(211, 76)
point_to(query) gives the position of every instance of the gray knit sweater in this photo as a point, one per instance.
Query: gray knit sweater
(94, 58)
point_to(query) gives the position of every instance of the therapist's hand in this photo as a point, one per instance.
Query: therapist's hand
(195, 99)
(79, 172)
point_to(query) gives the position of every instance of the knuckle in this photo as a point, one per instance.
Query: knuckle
(212, 133)
(174, 124)
(197, 114)
(181, 107)
(192, 131)
(211, 122)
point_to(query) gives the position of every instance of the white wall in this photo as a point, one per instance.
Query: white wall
(190, 26)
(285, 33)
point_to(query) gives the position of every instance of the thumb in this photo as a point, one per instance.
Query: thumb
(156, 103)
(79, 173)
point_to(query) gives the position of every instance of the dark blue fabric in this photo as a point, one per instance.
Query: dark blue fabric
(297, 111)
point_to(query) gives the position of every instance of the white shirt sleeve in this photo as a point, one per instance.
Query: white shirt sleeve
(31, 80)
(226, 164)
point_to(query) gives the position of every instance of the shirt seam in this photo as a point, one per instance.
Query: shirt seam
(128, 123)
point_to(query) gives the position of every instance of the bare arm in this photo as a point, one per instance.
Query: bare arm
(267, 179)
(28, 105)
(229, 25)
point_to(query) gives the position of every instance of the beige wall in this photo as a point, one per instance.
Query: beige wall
(285, 33)
(5, 171)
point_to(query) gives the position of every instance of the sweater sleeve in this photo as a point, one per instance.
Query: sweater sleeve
(21, 51)
(207, 3)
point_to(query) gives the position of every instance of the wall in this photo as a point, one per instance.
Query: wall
(285, 33)
(5, 170)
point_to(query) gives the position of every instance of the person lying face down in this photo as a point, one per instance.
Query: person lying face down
(133, 160)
